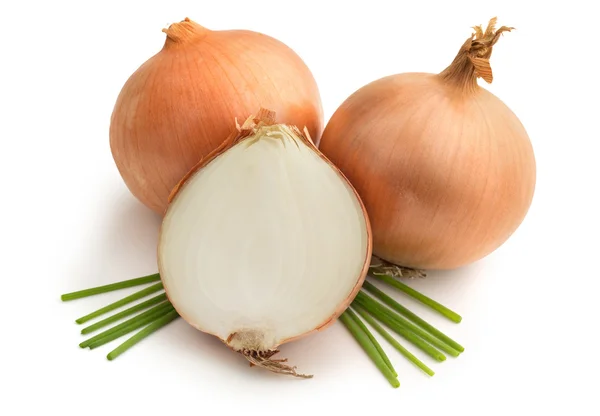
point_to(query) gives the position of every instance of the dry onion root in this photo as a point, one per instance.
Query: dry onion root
(263, 242)
(445, 169)
(179, 105)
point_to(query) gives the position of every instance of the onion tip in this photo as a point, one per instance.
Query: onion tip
(183, 31)
(473, 58)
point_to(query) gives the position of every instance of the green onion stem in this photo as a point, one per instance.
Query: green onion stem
(453, 316)
(108, 288)
(366, 344)
(376, 344)
(398, 328)
(365, 298)
(133, 297)
(154, 326)
(138, 324)
(130, 311)
(392, 340)
(413, 317)
(130, 321)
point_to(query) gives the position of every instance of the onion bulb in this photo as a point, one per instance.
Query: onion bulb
(179, 105)
(264, 241)
(445, 169)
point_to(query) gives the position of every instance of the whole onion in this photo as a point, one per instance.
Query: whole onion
(183, 102)
(445, 169)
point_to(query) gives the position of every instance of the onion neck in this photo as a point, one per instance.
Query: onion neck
(185, 31)
(473, 58)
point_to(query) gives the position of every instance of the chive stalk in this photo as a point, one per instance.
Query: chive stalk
(130, 321)
(153, 327)
(413, 317)
(128, 299)
(132, 327)
(389, 338)
(391, 323)
(366, 344)
(436, 306)
(110, 287)
(130, 311)
(365, 298)
(374, 341)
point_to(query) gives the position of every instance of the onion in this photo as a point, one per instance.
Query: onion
(180, 104)
(445, 169)
(263, 242)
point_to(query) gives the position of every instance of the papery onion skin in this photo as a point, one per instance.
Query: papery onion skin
(180, 104)
(446, 170)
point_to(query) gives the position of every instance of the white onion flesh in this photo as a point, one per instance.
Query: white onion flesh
(265, 243)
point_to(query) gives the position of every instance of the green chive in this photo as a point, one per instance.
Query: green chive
(139, 307)
(154, 326)
(453, 316)
(130, 321)
(137, 295)
(113, 286)
(408, 314)
(398, 328)
(138, 324)
(392, 340)
(364, 341)
(364, 297)
(374, 341)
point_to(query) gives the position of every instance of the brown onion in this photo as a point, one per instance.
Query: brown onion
(446, 170)
(181, 103)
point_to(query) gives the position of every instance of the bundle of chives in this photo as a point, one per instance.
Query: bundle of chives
(157, 312)
(387, 311)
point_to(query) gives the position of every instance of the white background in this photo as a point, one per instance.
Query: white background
(530, 323)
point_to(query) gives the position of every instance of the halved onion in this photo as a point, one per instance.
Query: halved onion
(264, 242)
